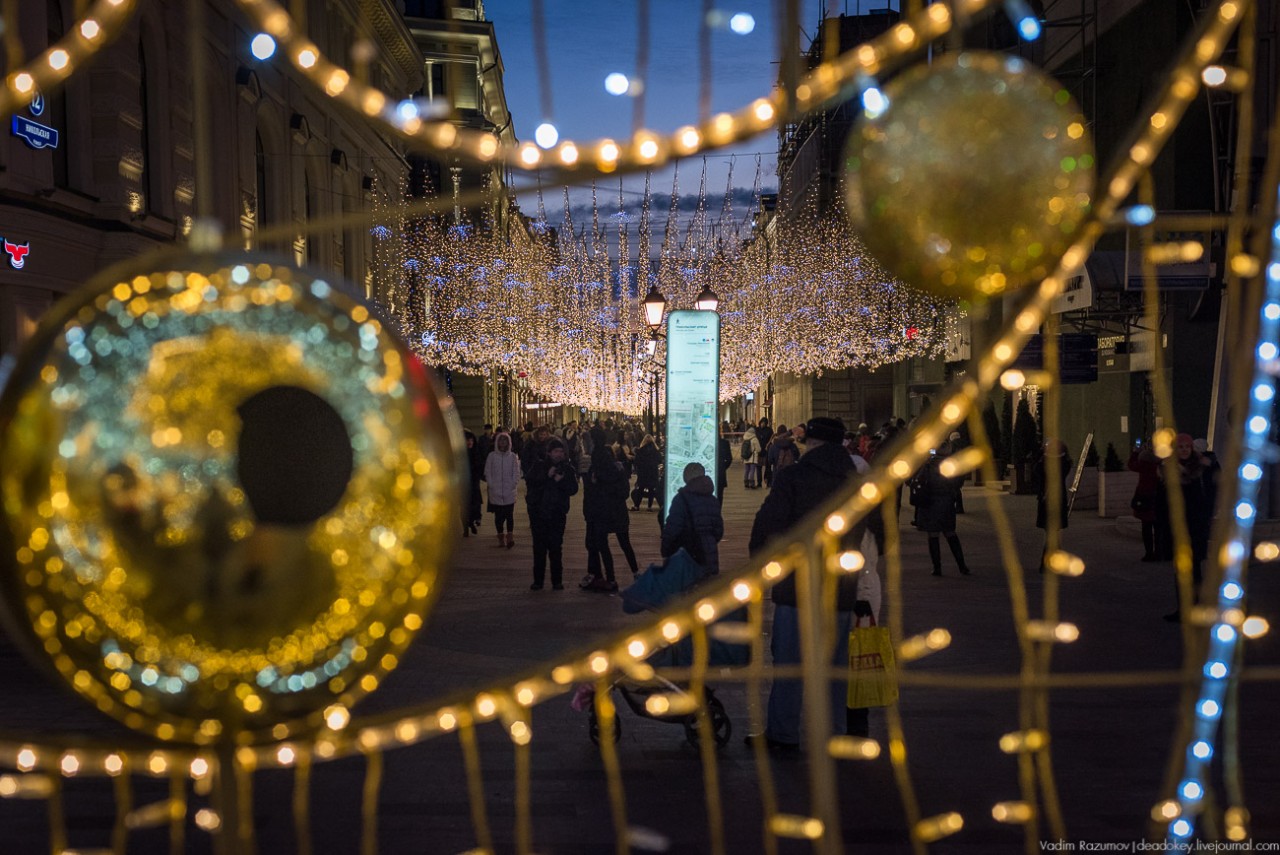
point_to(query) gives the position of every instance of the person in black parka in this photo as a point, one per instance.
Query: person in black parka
(935, 499)
(648, 480)
(550, 482)
(604, 507)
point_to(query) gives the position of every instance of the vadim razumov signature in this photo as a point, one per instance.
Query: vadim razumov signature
(1187, 846)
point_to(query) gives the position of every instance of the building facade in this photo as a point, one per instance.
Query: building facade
(121, 179)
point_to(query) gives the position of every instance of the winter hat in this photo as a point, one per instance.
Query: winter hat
(554, 443)
(824, 429)
(1200, 446)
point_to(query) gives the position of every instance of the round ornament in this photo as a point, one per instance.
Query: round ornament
(229, 496)
(974, 179)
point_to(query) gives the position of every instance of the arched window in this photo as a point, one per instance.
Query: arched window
(264, 212)
(55, 111)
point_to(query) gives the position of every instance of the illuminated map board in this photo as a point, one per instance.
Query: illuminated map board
(693, 395)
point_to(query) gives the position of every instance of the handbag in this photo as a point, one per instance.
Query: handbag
(873, 673)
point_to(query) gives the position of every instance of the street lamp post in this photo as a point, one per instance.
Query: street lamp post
(655, 306)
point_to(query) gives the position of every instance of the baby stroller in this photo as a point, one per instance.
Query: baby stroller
(651, 590)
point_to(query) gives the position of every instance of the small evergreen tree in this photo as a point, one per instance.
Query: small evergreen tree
(1024, 433)
(1091, 459)
(1112, 463)
(1006, 429)
(991, 424)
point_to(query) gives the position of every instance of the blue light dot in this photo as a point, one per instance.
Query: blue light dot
(1139, 215)
(263, 46)
(742, 23)
(1180, 828)
(1258, 424)
(1209, 709)
(874, 102)
(1202, 750)
(1251, 472)
(1267, 350)
(1232, 591)
(1225, 633)
(1244, 511)
(1191, 790)
(1273, 270)
(1029, 29)
(1216, 669)
(1271, 311)
(617, 83)
(1264, 392)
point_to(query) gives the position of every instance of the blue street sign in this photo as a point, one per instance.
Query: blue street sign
(35, 134)
(37, 105)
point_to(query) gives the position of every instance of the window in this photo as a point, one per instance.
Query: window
(55, 114)
(457, 82)
(149, 180)
(263, 213)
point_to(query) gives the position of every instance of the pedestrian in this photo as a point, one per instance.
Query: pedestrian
(1212, 471)
(1053, 448)
(693, 521)
(648, 462)
(823, 469)
(724, 459)
(782, 452)
(549, 483)
(1144, 461)
(935, 499)
(471, 515)
(957, 443)
(604, 507)
(502, 473)
(750, 452)
(1192, 479)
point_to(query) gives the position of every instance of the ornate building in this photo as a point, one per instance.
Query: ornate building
(121, 178)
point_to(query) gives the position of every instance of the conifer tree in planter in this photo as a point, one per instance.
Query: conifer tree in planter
(991, 423)
(1024, 447)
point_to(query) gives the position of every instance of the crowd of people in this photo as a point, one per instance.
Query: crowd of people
(619, 469)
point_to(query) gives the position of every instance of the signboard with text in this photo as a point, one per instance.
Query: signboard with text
(693, 394)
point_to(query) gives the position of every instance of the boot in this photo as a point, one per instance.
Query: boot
(935, 555)
(511, 540)
(502, 540)
(954, 542)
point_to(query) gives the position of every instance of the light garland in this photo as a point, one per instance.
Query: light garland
(93, 32)
(571, 322)
(645, 149)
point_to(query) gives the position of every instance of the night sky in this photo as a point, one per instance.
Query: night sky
(588, 39)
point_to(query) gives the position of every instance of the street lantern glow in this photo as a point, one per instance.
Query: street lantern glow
(263, 46)
(655, 306)
(707, 301)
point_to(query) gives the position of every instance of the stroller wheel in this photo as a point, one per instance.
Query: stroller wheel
(594, 727)
(721, 726)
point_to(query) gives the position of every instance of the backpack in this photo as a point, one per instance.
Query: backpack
(745, 451)
(786, 456)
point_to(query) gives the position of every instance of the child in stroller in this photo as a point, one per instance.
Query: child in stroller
(652, 589)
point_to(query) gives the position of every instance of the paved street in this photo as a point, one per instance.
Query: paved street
(1110, 745)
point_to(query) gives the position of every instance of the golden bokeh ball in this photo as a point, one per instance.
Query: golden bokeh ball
(973, 178)
(229, 497)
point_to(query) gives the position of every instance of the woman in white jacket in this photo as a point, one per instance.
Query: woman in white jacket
(502, 473)
(750, 453)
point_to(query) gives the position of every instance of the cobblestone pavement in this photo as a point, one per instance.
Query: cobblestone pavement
(1110, 745)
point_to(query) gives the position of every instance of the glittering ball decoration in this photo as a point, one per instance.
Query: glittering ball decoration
(229, 494)
(974, 178)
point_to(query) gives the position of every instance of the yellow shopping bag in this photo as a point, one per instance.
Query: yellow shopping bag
(873, 676)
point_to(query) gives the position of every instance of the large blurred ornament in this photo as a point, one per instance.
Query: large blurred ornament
(229, 495)
(974, 178)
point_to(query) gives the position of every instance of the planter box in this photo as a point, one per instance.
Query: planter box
(1115, 491)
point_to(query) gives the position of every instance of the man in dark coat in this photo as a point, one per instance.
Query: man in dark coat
(604, 508)
(935, 501)
(550, 482)
(823, 469)
(694, 521)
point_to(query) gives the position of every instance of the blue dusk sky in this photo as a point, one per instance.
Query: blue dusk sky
(589, 39)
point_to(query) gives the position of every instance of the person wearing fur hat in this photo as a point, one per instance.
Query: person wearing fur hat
(550, 482)
(824, 469)
(502, 473)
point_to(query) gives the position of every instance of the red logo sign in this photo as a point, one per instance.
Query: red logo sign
(17, 254)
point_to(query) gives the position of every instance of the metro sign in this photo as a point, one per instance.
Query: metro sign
(17, 253)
